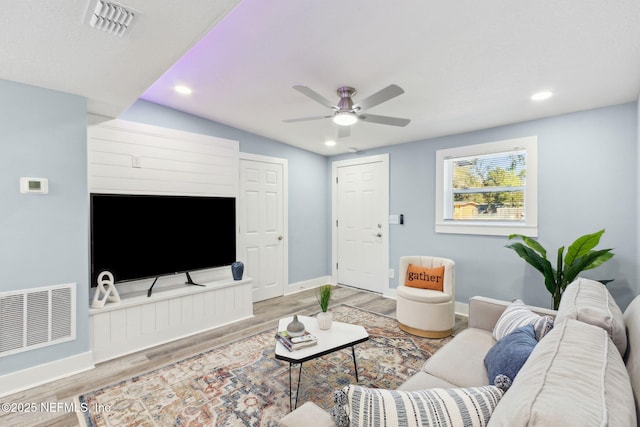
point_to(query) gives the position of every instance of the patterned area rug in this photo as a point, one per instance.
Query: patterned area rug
(242, 384)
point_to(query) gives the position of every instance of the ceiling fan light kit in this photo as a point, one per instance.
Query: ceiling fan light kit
(346, 112)
(345, 118)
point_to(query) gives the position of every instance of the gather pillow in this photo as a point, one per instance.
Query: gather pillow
(504, 360)
(362, 406)
(517, 315)
(425, 277)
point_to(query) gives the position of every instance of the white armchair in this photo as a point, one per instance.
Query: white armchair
(426, 312)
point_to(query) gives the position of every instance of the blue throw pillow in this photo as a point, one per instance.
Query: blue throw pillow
(506, 357)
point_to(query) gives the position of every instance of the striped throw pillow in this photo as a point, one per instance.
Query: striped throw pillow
(517, 315)
(361, 406)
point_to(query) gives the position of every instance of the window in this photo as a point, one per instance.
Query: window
(488, 188)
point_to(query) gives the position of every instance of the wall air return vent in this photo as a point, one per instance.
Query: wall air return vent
(110, 17)
(34, 318)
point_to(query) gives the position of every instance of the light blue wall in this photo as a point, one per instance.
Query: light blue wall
(308, 184)
(587, 181)
(583, 157)
(44, 238)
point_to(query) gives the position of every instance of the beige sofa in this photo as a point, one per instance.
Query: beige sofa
(585, 371)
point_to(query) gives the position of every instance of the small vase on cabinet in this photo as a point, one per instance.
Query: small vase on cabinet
(237, 268)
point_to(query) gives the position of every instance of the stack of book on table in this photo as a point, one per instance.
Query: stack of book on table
(295, 343)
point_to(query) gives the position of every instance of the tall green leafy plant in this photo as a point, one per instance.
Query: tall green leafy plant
(580, 256)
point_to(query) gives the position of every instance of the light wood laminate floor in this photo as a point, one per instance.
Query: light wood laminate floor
(59, 393)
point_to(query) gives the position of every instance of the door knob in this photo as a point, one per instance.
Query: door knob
(280, 237)
(378, 234)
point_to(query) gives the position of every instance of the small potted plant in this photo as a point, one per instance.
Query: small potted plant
(323, 295)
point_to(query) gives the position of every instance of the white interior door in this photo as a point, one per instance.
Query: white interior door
(361, 211)
(262, 224)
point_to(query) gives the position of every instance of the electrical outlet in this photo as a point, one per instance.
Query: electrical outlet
(392, 273)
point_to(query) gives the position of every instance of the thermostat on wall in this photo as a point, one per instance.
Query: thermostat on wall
(34, 185)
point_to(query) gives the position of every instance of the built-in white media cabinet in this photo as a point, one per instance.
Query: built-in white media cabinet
(171, 312)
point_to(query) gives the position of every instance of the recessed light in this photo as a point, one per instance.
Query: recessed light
(541, 96)
(184, 90)
(330, 143)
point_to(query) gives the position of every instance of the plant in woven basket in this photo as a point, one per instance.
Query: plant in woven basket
(580, 256)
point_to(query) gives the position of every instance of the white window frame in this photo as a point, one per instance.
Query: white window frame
(528, 227)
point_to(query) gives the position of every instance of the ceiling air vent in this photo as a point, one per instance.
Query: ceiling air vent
(112, 18)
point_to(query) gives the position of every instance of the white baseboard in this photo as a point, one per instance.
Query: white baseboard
(47, 372)
(461, 309)
(306, 284)
(390, 293)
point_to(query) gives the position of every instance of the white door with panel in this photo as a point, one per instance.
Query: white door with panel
(361, 206)
(262, 224)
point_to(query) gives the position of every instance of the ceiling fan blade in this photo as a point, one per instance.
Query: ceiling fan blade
(315, 96)
(344, 131)
(306, 119)
(379, 97)
(384, 120)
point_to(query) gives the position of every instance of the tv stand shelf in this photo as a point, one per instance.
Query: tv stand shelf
(170, 313)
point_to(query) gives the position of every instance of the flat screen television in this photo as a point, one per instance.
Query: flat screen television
(144, 236)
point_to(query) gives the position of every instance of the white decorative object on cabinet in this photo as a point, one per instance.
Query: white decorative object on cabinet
(104, 294)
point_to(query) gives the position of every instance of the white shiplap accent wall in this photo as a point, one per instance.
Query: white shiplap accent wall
(134, 158)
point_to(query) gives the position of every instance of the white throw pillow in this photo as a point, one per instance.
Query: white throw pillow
(590, 302)
(517, 315)
(362, 406)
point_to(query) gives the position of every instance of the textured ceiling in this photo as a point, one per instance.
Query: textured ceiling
(47, 43)
(464, 65)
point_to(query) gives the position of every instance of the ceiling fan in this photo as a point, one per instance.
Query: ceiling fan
(347, 113)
